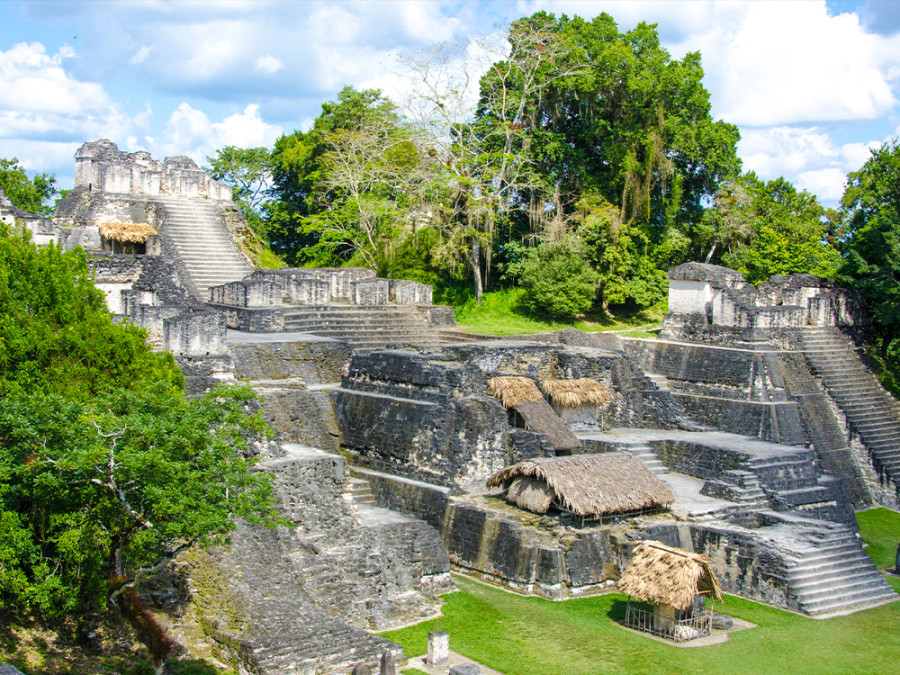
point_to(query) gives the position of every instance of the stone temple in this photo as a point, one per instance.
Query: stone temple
(748, 432)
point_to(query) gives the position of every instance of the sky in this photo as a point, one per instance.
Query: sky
(811, 84)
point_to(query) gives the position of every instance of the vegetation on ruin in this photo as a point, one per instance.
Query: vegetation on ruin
(107, 472)
(532, 636)
(29, 194)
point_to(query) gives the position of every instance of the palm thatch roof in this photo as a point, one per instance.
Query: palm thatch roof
(670, 576)
(540, 417)
(574, 393)
(587, 485)
(514, 390)
(135, 233)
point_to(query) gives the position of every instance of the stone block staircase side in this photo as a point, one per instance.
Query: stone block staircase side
(363, 325)
(870, 410)
(833, 575)
(288, 630)
(198, 239)
(646, 454)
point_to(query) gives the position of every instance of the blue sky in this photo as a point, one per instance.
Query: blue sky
(811, 84)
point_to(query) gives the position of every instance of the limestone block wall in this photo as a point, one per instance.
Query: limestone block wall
(710, 295)
(409, 292)
(101, 167)
(428, 416)
(374, 576)
(370, 292)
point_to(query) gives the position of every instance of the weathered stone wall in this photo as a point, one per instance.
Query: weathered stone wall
(703, 296)
(428, 416)
(101, 167)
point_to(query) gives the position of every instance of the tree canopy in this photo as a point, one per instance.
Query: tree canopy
(582, 136)
(871, 263)
(106, 470)
(29, 194)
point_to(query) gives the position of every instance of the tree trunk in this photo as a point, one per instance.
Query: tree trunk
(149, 631)
(475, 261)
(887, 341)
(710, 254)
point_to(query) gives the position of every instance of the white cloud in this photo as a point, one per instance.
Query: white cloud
(31, 82)
(190, 132)
(141, 55)
(808, 156)
(268, 64)
(791, 62)
(826, 184)
(246, 129)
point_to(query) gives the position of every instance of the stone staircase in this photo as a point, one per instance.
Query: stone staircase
(287, 630)
(360, 491)
(195, 231)
(645, 453)
(870, 410)
(833, 575)
(363, 326)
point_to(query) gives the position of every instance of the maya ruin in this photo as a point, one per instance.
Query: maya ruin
(746, 435)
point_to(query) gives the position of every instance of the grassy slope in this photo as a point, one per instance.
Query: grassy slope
(531, 636)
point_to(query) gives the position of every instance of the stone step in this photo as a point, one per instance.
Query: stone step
(827, 591)
(847, 602)
(811, 577)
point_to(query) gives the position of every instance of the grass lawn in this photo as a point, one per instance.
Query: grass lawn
(532, 636)
(501, 313)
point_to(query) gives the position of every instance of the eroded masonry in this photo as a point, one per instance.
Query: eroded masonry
(748, 432)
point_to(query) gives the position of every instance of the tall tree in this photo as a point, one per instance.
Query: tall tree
(29, 194)
(107, 472)
(871, 209)
(249, 173)
(301, 177)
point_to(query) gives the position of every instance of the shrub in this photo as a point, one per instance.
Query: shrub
(557, 280)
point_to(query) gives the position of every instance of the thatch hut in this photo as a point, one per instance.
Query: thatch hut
(590, 486)
(529, 410)
(677, 583)
(580, 402)
(120, 237)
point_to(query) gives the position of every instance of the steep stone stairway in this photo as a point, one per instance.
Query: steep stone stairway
(195, 229)
(829, 573)
(645, 453)
(362, 325)
(870, 410)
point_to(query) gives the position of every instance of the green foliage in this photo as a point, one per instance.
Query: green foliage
(771, 228)
(311, 218)
(30, 195)
(106, 470)
(55, 330)
(871, 206)
(557, 280)
(619, 252)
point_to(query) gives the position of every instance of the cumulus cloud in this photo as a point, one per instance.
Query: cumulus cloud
(268, 64)
(807, 155)
(190, 131)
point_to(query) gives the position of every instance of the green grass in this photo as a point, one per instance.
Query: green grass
(501, 313)
(531, 636)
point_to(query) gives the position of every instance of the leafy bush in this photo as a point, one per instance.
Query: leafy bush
(557, 280)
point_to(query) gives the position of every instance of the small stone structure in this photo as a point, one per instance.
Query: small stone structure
(438, 649)
(42, 229)
(713, 303)
(101, 167)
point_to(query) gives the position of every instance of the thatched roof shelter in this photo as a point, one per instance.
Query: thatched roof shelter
(587, 485)
(669, 576)
(575, 393)
(132, 233)
(540, 417)
(514, 390)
